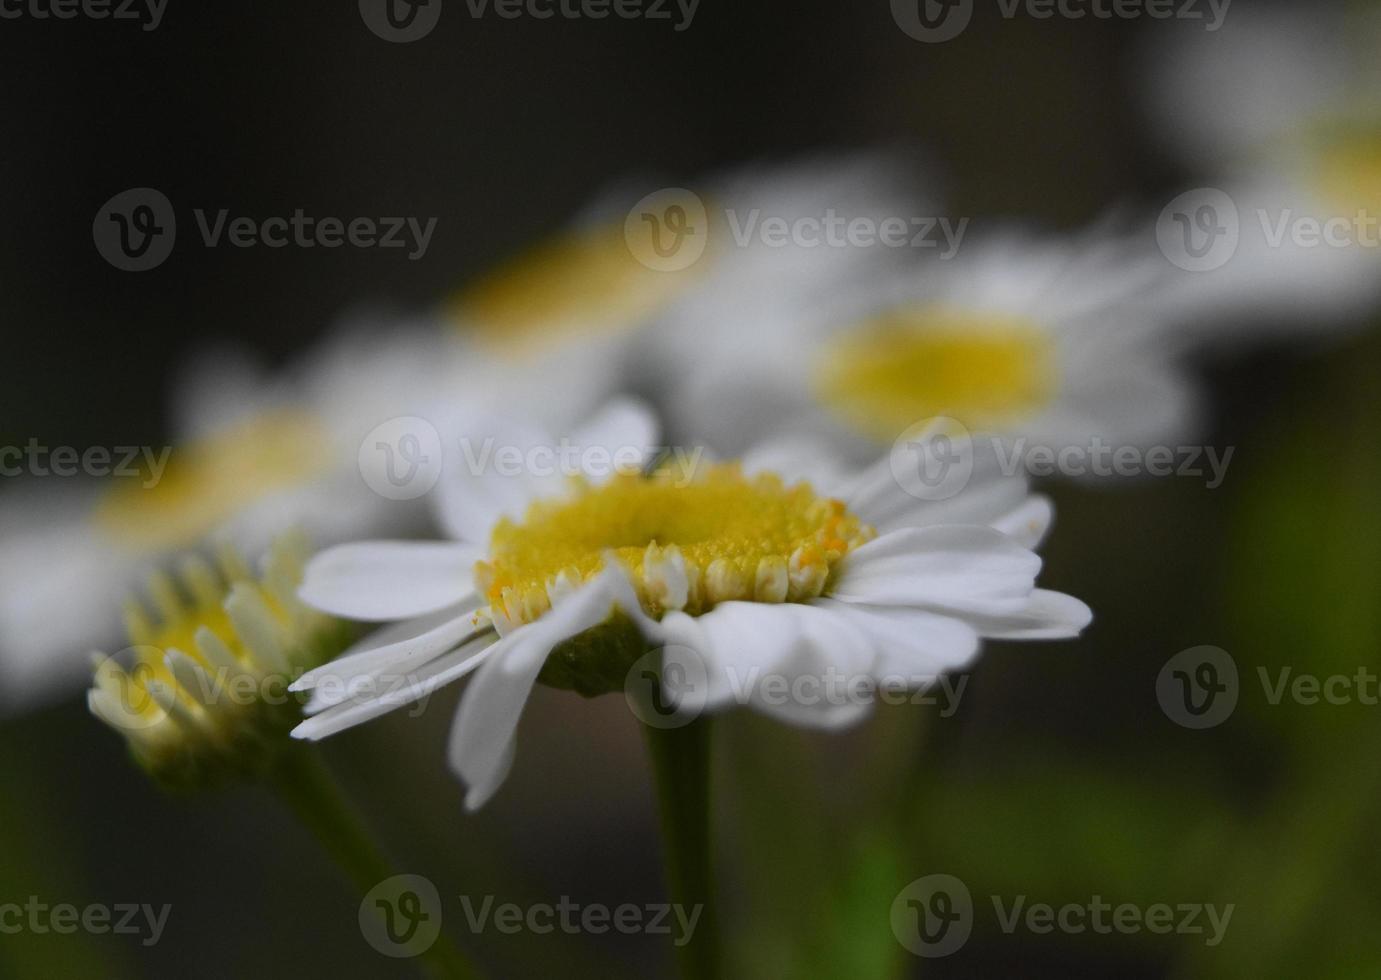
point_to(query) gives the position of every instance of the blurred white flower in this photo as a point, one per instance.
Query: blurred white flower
(1052, 340)
(254, 454)
(736, 569)
(1280, 110)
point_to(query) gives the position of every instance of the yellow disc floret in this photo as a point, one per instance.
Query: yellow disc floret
(985, 370)
(688, 542)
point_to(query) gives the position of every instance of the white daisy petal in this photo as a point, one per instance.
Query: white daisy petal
(912, 644)
(989, 494)
(479, 483)
(799, 458)
(827, 681)
(349, 676)
(737, 642)
(387, 580)
(937, 567)
(481, 739)
(402, 690)
(626, 431)
(1043, 615)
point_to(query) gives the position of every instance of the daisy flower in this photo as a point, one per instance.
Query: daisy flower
(1279, 111)
(748, 565)
(1051, 340)
(200, 694)
(254, 454)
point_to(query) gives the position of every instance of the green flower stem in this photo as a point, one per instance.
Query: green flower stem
(681, 768)
(304, 783)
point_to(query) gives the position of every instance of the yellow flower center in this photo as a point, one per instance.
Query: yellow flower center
(209, 481)
(687, 543)
(1348, 159)
(906, 365)
(578, 283)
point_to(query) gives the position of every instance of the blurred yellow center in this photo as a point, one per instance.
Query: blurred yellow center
(987, 371)
(579, 283)
(207, 482)
(1349, 170)
(686, 543)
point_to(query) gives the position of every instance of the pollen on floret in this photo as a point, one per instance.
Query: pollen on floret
(687, 541)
